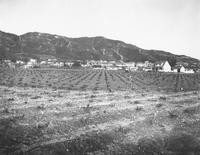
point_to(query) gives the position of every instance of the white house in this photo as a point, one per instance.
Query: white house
(163, 66)
(120, 64)
(58, 64)
(140, 64)
(43, 62)
(166, 67)
(189, 71)
(113, 68)
(182, 69)
(69, 64)
(19, 62)
(186, 70)
(11, 65)
(130, 64)
(52, 60)
(31, 63)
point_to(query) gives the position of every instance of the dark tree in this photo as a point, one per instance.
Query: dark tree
(76, 64)
(172, 61)
(25, 59)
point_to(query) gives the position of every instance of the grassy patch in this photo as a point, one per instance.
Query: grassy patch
(191, 110)
(36, 97)
(184, 101)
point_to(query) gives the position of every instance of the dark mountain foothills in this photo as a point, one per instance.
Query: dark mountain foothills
(42, 45)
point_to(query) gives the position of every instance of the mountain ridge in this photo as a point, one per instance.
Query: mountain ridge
(37, 45)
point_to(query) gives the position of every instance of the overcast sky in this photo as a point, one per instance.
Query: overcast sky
(171, 25)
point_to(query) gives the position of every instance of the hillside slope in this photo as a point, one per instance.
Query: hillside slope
(41, 45)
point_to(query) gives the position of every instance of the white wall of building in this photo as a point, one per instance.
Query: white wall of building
(166, 67)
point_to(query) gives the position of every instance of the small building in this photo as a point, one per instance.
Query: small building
(43, 63)
(162, 66)
(69, 64)
(139, 64)
(178, 69)
(130, 64)
(33, 61)
(147, 69)
(113, 68)
(52, 60)
(11, 65)
(120, 64)
(189, 71)
(19, 62)
(58, 64)
(7, 61)
(182, 69)
(97, 67)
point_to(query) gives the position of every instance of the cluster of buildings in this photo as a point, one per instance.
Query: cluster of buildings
(34, 63)
(161, 66)
(164, 66)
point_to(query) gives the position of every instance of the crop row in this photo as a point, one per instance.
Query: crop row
(75, 79)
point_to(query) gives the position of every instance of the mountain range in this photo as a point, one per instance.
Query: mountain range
(43, 46)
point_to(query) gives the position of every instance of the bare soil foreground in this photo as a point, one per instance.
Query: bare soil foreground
(97, 112)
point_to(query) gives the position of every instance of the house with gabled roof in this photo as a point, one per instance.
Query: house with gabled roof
(178, 69)
(162, 66)
(182, 69)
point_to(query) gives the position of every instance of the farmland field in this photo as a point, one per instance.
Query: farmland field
(83, 111)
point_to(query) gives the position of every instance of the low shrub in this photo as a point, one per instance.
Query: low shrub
(173, 114)
(136, 102)
(139, 108)
(163, 98)
(159, 105)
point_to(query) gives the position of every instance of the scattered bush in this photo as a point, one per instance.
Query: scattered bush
(6, 110)
(10, 99)
(87, 109)
(159, 105)
(136, 102)
(36, 97)
(112, 105)
(184, 101)
(69, 104)
(91, 100)
(163, 98)
(84, 121)
(183, 144)
(195, 92)
(143, 94)
(41, 107)
(173, 114)
(139, 108)
(42, 125)
(123, 130)
(149, 146)
(127, 97)
(92, 96)
(190, 110)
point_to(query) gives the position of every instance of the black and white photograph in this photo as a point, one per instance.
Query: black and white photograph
(99, 77)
